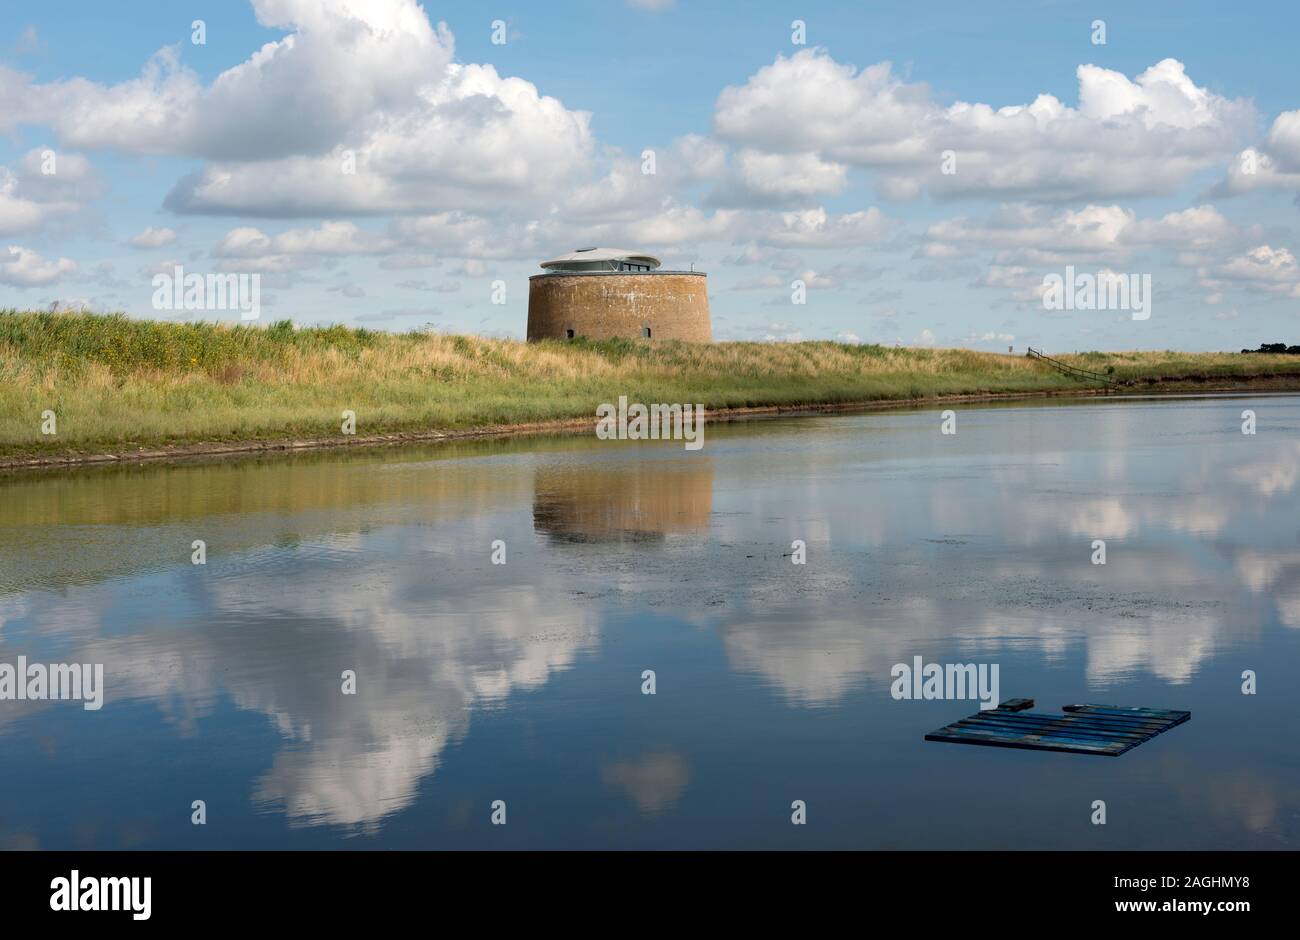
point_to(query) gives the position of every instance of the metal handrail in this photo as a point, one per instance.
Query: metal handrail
(1069, 369)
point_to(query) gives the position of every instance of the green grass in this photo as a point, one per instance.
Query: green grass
(115, 383)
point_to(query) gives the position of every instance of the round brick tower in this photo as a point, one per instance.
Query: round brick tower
(606, 293)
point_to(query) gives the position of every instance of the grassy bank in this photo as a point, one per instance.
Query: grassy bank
(117, 384)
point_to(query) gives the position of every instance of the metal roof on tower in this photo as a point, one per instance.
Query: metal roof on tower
(597, 256)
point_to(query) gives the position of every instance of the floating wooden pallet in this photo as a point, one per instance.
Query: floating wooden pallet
(1109, 730)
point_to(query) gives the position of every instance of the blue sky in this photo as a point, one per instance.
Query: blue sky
(774, 161)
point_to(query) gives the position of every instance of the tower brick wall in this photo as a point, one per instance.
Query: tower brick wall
(613, 305)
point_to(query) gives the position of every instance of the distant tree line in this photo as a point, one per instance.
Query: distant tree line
(1275, 348)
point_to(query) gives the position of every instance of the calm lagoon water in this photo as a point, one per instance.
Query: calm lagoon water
(522, 682)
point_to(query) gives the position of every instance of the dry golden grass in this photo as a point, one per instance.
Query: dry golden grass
(113, 382)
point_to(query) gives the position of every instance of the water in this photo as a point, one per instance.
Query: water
(522, 682)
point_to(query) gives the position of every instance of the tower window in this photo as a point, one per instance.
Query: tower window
(568, 334)
(645, 332)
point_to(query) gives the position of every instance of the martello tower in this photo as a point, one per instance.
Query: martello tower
(608, 293)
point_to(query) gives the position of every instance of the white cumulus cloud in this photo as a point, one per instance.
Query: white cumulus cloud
(21, 267)
(1125, 136)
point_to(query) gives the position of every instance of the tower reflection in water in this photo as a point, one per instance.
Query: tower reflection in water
(636, 501)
